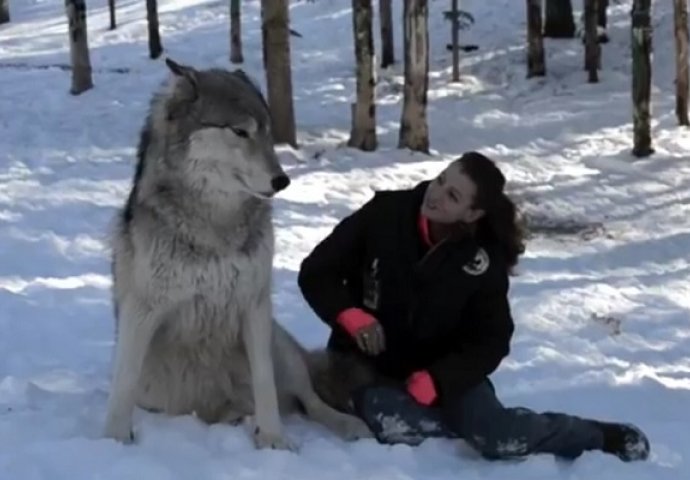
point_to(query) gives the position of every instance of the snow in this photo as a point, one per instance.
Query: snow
(601, 309)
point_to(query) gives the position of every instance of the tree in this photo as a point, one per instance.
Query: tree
(559, 22)
(78, 46)
(235, 32)
(111, 9)
(536, 66)
(454, 34)
(363, 134)
(641, 77)
(680, 17)
(592, 48)
(386, 21)
(276, 52)
(414, 132)
(4, 12)
(155, 47)
(602, 6)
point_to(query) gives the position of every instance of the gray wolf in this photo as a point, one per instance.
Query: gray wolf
(192, 265)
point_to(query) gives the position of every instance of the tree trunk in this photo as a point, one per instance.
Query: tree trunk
(680, 16)
(235, 32)
(363, 135)
(414, 131)
(641, 77)
(455, 33)
(386, 21)
(276, 50)
(536, 66)
(155, 47)
(602, 6)
(4, 11)
(559, 22)
(592, 49)
(111, 9)
(78, 46)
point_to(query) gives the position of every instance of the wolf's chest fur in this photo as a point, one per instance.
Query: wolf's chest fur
(208, 290)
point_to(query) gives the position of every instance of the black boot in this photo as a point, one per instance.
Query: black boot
(624, 440)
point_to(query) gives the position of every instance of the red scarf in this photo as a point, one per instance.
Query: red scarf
(423, 225)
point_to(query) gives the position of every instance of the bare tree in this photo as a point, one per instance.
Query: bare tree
(536, 65)
(78, 46)
(4, 11)
(414, 131)
(155, 47)
(641, 77)
(559, 22)
(592, 48)
(680, 17)
(363, 134)
(454, 34)
(386, 21)
(111, 9)
(602, 7)
(235, 32)
(275, 31)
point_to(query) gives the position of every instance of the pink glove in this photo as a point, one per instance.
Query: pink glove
(354, 319)
(421, 387)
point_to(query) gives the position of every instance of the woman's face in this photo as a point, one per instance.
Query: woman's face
(450, 196)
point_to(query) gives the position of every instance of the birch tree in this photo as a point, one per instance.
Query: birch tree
(386, 23)
(414, 131)
(559, 22)
(275, 32)
(536, 66)
(78, 46)
(155, 47)
(111, 10)
(592, 48)
(4, 11)
(235, 32)
(363, 134)
(641, 77)
(680, 16)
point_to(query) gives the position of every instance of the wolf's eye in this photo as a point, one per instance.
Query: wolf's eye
(240, 132)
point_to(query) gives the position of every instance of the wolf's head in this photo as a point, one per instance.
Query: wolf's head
(219, 123)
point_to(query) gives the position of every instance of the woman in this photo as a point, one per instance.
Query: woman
(415, 286)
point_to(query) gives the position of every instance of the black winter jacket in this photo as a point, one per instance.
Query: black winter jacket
(444, 310)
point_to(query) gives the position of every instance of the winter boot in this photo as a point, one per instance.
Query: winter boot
(624, 440)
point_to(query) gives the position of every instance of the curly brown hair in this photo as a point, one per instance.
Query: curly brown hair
(500, 223)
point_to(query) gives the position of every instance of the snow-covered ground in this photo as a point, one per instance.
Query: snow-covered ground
(603, 315)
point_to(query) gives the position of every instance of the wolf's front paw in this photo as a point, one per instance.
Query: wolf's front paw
(352, 428)
(120, 431)
(263, 439)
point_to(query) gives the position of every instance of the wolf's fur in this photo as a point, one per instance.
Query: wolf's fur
(192, 263)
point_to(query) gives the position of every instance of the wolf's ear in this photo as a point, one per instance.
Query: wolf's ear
(187, 83)
(185, 86)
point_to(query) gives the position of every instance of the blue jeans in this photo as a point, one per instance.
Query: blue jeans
(478, 417)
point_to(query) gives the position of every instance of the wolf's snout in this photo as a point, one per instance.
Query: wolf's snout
(280, 182)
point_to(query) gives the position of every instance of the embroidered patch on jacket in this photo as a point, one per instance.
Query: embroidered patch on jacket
(479, 264)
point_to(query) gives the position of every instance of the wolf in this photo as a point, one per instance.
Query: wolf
(192, 251)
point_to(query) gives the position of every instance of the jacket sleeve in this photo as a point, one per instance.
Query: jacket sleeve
(324, 272)
(477, 357)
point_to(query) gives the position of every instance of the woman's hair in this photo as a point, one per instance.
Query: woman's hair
(500, 223)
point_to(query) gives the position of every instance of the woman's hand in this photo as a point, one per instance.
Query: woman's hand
(365, 329)
(371, 339)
